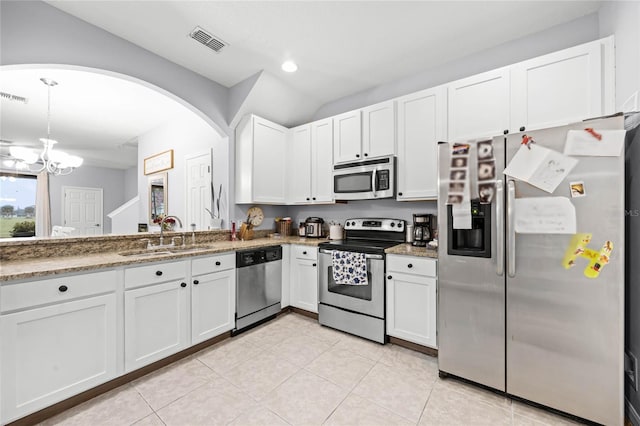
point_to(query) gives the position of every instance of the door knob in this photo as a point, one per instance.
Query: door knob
(158, 273)
(183, 285)
(63, 288)
(389, 277)
(196, 282)
(218, 263)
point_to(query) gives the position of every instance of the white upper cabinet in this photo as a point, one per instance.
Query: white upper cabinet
(379, 130)
(312, 163)
(347, 137)
(322, 161)
(261, 160)
(300, 181)
(422, 123)
(560, 88)
(479, 105)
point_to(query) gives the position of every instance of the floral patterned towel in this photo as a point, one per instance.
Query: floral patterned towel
(349, 268)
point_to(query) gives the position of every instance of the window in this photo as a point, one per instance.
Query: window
(17, 205)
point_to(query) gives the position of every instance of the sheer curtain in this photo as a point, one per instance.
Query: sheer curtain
(43, 206)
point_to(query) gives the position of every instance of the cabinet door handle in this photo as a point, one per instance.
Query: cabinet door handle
(196, 282)
(218, 263)
(63, 288)
(357, 155)
(304, 252)
(183, 285)
(314, 198)
(307, 198)
(158, 273)
(389, 277)
(400, 194)
(410, 266)
(366, 155)
(314, 265)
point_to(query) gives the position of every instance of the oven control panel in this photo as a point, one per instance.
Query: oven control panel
(375, 224)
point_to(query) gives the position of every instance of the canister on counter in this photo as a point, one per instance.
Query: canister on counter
(408, 234)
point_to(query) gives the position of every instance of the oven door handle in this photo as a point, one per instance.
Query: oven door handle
(367, 255)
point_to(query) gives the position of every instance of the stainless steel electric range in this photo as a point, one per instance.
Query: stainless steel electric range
(358, 309)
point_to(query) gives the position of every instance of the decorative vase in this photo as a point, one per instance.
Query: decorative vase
(216, 223)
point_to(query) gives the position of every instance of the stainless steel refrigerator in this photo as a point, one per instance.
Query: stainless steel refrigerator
(510, 316)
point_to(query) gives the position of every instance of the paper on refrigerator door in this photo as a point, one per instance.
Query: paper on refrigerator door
(540, 167)
(545, 215)
(583, 143)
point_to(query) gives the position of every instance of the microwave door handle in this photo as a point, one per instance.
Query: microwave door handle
(373, 181)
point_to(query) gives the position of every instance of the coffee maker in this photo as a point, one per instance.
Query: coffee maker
(423, 225)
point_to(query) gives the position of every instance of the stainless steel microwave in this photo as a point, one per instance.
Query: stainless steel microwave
(365, 180)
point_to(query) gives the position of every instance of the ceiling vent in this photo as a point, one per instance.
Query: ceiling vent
(208, 39)
(15, 98)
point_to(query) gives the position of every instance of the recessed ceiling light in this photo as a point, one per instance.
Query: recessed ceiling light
(289, 66)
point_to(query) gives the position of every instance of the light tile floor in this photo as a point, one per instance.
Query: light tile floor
(294, 371)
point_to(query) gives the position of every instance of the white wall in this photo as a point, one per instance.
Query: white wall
(32, 32)
(579, 31)
(130, 183)
(110, 180)
(187, 135)
(622, 19)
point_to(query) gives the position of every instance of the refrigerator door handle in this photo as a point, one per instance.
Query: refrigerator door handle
(499, 228)
(511, 229)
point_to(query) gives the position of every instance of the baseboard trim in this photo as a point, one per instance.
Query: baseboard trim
(303, 312)
(631, 414)
(414, 346)
(57, 408)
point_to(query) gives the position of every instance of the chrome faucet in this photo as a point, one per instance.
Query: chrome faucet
(162, 227)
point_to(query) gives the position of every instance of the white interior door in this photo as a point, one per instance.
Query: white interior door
(83, 210)
(199, 188)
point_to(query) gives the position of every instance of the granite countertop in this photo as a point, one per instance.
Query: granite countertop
(409, 250)
(45, 266)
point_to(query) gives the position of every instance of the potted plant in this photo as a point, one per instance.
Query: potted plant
(26, 228)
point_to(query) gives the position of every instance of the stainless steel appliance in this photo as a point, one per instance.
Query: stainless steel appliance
(364, 180)
(422, 229)
(358, 309)
(313, 227)
(258, 285)
(511, 317)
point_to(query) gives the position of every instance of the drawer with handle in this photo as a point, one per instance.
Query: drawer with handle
(53, 290)
(157, 273)
(305, 252)
(209, 264)
(411, 265)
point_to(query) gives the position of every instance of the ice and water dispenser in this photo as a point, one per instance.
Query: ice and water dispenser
(474, 242)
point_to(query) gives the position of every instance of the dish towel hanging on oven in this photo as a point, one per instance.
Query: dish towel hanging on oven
(349, 268)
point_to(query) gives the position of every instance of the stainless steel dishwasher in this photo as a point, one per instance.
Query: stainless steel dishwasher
(258, 285)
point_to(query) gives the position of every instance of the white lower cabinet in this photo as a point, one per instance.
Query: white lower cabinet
(50, 353)
(156, 316)
(304, 278)
(213, 297)
(411, 299)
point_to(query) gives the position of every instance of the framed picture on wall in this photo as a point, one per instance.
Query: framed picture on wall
(159, 162)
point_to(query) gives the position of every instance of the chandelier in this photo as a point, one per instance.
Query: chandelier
(53, 161)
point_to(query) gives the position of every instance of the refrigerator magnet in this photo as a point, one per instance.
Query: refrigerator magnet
(577, 189)
(460, 149)
(487, 170)
(485, 150)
